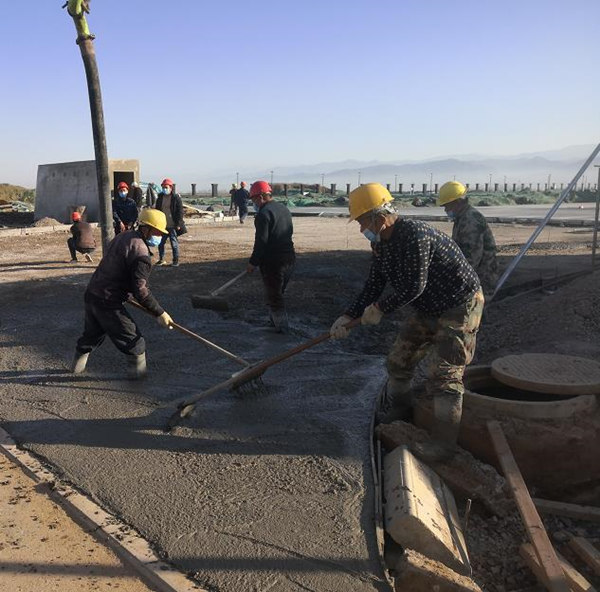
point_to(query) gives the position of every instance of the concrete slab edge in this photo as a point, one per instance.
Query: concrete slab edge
(129, 545)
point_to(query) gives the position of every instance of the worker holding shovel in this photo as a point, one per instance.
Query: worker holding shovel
(123, 272)
(273, 250)
(424, 268)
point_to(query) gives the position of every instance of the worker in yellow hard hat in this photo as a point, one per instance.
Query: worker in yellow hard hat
(424, 268)
(471, 233)
(123, 272)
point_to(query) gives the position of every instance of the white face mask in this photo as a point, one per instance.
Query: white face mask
(166, 190)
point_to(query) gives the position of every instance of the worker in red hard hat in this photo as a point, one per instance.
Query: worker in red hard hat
(125, 212)
(273, 251)
(82, 239)
(171, 205)
(240, 201)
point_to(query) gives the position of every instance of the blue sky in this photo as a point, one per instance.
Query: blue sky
(193, 88)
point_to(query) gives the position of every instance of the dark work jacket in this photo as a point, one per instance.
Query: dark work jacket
(137, 195)
(124, 210)
(124, 272)
(273, 236)
(84, 235)
(241, 197)
(176, 207)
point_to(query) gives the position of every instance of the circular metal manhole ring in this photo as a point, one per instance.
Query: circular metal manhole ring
(552, 374)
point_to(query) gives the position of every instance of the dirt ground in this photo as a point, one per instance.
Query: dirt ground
(333, 259)
(41, 548)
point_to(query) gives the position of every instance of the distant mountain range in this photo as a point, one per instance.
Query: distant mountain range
(561, 165)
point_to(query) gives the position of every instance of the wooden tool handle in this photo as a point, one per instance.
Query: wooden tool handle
(227, 284)
(197, 337)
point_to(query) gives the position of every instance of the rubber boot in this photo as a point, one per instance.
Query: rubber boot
(136, 366)
(447, 410)
(79, 362)
(397, 403)
(280, 321)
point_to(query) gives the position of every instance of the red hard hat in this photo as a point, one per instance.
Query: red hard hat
(123, 185)
(76, 216)
(259, 187)
(243, 184)
(167, 181)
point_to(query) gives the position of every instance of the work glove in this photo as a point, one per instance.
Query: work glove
(372, 315)
(338, 329)
(165, 320)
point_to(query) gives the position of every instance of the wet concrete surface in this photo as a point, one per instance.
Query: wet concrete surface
(270, 490)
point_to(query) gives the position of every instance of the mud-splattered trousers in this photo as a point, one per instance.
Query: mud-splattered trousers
(449, 339)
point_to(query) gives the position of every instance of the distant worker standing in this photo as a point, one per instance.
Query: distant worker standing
(125, 212)
(471, 233)
(240, 199)
(426, 269)
(273, 251)
(171, 205)
(123, 272)
(232, 206)
(83, 240)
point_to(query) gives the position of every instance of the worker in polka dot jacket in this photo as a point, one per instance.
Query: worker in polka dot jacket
(425, 268)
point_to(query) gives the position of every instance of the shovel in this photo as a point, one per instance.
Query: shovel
(212, 301)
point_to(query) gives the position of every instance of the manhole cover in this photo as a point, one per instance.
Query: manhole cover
(552, 374)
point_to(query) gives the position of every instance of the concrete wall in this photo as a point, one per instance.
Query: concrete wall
(61, 187)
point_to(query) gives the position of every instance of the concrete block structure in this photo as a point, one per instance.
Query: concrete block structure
(420, 512)
(64, 187)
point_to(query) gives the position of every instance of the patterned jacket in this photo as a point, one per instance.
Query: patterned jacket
(475, 239)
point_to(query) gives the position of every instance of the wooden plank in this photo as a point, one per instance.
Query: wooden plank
(587, 552)
(590, 513)
(545, 554)
(576, 581)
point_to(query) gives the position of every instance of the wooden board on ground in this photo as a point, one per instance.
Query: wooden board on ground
(576, 511)
(587, 552)
(576, 581)
(536, 532)
(552, 374)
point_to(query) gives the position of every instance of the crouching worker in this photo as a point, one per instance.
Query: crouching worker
(122, 273)
(83, 240)
(424, 268)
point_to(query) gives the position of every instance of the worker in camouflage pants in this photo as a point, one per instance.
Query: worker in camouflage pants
(471, 233)
(425, 268)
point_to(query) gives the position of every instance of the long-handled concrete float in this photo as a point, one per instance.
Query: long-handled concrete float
(186, 405)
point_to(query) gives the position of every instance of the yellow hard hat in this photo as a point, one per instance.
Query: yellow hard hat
(451, 191)
(366, 198)
(154, 218)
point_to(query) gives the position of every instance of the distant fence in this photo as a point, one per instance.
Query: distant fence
(402, 188)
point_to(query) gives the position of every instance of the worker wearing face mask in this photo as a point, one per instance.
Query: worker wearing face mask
(123, 273)
(125, 212)
(471, 233)
(171, 205)
(424, 268)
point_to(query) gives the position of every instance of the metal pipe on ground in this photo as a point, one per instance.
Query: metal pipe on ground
(564, 194)
(212, 301)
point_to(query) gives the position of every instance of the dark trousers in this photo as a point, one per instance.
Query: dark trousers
(276, 275)
(74, 250)
(243, 211)
(172, 236)
(114, 322)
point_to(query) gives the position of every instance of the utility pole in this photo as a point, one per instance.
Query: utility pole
(322, 179)
(395, 183)
(358, 178)
(237, 179)
(431, 182)
(271, 179)
(77, 10)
